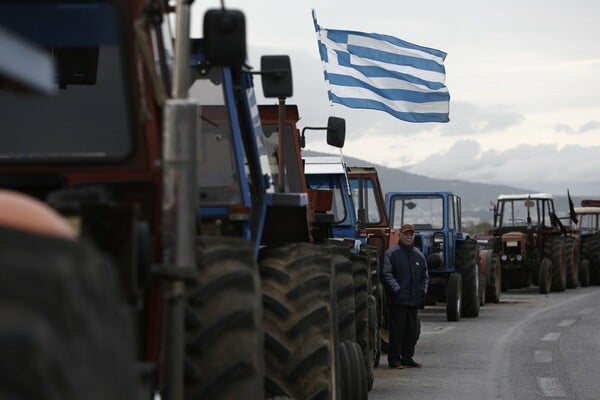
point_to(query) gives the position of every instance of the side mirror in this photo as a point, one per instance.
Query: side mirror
(225, 37)
(276, 75)
(336, 131)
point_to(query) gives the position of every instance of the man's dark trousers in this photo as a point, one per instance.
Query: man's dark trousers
(403, 324)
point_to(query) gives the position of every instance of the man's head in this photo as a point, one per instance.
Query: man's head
(407, 234)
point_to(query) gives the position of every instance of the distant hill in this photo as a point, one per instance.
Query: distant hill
(477, 198)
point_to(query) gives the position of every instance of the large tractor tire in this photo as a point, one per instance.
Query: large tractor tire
(364, 329)
(353, 372)
(494, 289)
(377, 292)
(300, 336)
(554, 250)
(545, 276)
(584, 273)
(65, 331)
(572, 261)
(594, 257)
(224, 306)
(344, 284)
(454, 297)
(466, 264)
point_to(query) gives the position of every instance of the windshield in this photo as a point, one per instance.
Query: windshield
(370, 203)
(424, 212)
(217, 173)
(335, 183)
(88, 117)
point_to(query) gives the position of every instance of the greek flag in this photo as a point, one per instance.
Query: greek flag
(381, 72)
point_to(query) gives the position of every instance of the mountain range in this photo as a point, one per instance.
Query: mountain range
(477, 198)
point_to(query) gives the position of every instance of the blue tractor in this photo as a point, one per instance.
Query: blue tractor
(251, 185)
(452, 255)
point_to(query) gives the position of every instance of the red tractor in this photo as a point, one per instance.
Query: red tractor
(145, 306)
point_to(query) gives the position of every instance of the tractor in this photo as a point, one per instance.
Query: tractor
(151, 146)
(533, 244)
(452, 255)
(588, 227)
(350, 276)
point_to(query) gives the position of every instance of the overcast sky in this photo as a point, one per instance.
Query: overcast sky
(523, 76)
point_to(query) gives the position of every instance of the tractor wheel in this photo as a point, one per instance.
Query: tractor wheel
(344, 283)
(353, 372)
(298, 318)
(572, 262)
(594, 257)
(545, 276)
(494, 289)
(224, 306)
(65, 331)
(554, 250)
(364, 330)
(454, 298)
(376, 290)
(466, 264)
(584, 273)
(376, 338)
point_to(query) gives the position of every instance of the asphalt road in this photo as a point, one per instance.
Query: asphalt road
(529, 346)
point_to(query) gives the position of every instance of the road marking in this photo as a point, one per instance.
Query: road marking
(551, 337)
(586, 311)
(437, 330)
(551, 387)
(566, 322)
(542, 356)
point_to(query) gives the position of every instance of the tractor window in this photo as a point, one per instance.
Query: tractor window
(218, 170)
(271, 142)
(90, 115)
(333, 183)
(424, 212)
(370, 203)
(518, 212)
(452, 212)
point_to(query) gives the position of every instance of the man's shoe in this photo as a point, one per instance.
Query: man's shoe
(397, 365)
(409, 362)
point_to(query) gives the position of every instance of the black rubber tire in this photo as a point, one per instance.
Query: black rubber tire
(65, 331)
(554, 250)
(224, 306)
(466, 264)
(482, 290)
(584, 273)
(494, 289)
(362, 284)
(545, 276)
(355, 386)
(344, 283)
(298, 319)
(454, 297)
(572, 261)
(594, 257)
(376, 290)
(375, 343)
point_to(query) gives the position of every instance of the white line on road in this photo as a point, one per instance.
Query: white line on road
(551, 337)
(542, 356)
(437, 330)
(551, 387)
(567, 322)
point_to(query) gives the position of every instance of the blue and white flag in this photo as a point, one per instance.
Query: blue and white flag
(381, 72)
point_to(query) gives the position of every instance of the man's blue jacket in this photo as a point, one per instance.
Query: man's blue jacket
(404, 275)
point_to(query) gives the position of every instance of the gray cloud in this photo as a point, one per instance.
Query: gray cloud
(468, 118)
(537, 167)
(590, 126)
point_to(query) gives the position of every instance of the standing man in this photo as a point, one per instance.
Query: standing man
(405, 278)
